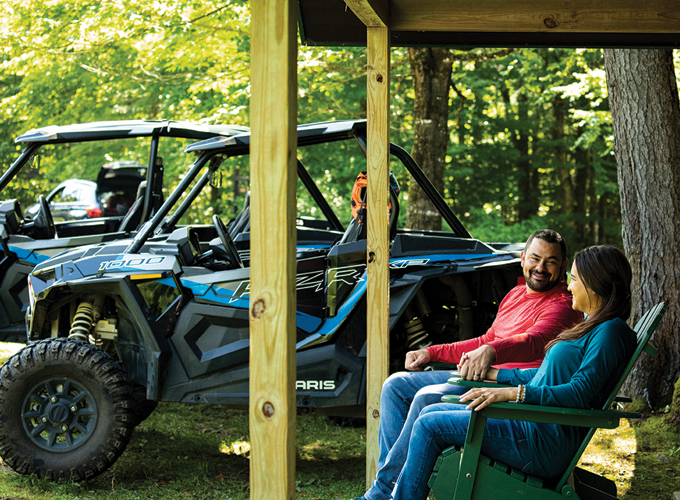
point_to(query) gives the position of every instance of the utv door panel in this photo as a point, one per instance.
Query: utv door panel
(211, 338)
(328, 376)
(14, 294)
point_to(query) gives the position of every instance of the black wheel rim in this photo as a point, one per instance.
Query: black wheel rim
(59, 414)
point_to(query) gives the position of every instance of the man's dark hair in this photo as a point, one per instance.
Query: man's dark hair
(549, 236)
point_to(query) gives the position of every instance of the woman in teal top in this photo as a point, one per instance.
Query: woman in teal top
(580, 369)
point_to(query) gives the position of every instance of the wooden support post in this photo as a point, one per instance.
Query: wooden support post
(272, 244)
(377, 287)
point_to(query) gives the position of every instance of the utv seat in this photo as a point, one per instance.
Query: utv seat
(241, 222)
(356, 229)
(133, 217)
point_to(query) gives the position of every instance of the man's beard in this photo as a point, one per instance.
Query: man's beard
(540, 286)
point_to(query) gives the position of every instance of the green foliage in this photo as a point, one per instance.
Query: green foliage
(527, 129)
(638, 405)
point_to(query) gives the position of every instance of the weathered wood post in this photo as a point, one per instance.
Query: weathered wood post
(375, 16)
(272, 243)
(378, 254)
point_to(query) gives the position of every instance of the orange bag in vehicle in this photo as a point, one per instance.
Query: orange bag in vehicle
(359, 196)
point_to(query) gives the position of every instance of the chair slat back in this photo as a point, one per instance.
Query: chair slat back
(644, 329)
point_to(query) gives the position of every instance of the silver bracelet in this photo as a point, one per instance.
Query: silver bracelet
(520, 397)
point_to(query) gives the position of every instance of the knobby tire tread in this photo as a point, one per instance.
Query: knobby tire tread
(90, 360)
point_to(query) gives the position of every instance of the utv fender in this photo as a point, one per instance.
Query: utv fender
(125, 298)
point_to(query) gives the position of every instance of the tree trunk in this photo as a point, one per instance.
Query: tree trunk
(562, 165)
(527, 176)
(431, 69)
(643, 97)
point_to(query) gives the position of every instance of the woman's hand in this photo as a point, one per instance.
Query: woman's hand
(480, 397)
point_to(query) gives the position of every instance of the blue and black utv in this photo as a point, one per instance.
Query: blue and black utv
(33, 237)
(114, 328)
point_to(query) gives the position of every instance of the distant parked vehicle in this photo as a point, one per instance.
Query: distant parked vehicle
(74, 199)
(112, 195)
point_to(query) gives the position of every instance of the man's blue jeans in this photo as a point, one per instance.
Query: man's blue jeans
(442, 425)
(404, 395)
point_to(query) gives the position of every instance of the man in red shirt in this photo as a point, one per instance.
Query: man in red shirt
(529, 316)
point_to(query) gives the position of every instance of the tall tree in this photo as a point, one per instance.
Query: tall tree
(643, 97)
(431, 69)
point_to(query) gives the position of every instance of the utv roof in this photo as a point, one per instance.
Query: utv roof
(126, 128)
(307, 134)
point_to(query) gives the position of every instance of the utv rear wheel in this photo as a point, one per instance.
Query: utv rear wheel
(66, 410)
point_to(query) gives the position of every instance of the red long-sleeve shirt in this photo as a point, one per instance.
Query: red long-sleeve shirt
(525, 323)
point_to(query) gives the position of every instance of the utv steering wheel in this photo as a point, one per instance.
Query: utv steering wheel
(226, 240)
(43, 221)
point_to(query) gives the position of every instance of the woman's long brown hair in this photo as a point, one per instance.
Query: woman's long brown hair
(604, 270)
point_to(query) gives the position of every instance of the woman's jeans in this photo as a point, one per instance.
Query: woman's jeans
(442, 425)
(404, 395)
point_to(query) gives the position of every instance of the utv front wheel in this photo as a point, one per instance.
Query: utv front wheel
(66, 410)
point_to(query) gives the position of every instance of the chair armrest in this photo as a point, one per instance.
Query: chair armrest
(439, 366)
(605, 419)
(471, 383)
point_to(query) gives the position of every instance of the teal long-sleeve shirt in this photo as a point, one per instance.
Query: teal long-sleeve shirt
(576, 374)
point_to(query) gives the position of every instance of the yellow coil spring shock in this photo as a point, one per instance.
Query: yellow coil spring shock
(82, 322)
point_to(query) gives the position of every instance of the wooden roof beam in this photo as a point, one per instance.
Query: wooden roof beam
(594, 16)
(373, 13)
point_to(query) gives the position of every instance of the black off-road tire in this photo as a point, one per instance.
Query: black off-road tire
(66, 410)
(143, 407)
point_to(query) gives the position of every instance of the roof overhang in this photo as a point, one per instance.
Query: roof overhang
(494, 23)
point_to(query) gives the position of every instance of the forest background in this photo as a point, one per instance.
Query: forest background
(530, 138)
(530, 142)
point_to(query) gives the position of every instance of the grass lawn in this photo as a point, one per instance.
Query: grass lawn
(202, 452)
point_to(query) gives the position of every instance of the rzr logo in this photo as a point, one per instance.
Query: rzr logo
(118, 264)
(315, 385)
(310, 280)
(349, 275)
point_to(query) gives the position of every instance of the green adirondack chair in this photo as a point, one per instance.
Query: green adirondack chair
(465, 474)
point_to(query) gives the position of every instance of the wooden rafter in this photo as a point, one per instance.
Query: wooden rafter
(373, 13)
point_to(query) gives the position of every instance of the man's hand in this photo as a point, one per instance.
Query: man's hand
(416, 358)
(475, 364)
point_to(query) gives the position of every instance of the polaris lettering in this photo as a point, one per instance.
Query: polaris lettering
(315, 385)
